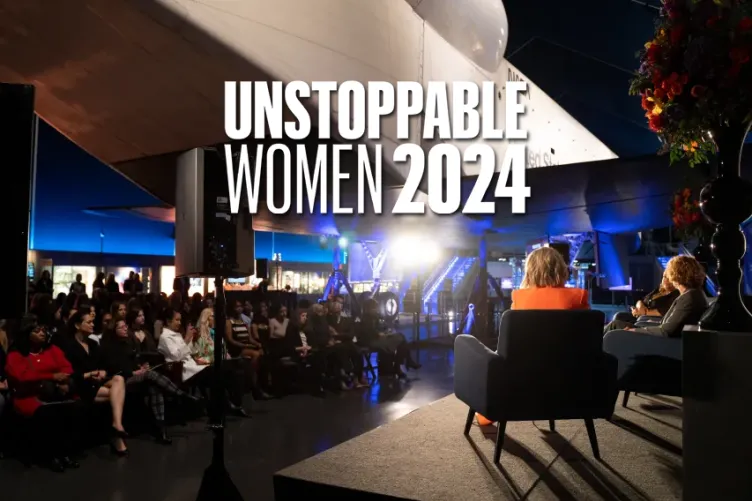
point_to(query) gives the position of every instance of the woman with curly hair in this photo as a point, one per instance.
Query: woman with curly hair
(687, 276)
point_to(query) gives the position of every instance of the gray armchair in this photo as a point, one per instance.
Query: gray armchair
(647, 363)
(549, 365)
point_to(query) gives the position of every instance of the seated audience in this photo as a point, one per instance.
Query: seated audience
(687, 276)
(655, 304)
(277, 331)
(259, 325)
(118, 310)
(136, 323)
(92, 382)
(296, 343)
(342, 330)
(248, 344)
(41, 375)
(240, 341)
(120, 352)
(177, 348)
(543, 288)
(247, 315)
(202, 348)
(392, 348)
(329, 357)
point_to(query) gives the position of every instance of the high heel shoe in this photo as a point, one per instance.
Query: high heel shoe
(118, 433)
(116, 452)
(161, 436)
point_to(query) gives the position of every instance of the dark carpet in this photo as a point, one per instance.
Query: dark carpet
(425, 456)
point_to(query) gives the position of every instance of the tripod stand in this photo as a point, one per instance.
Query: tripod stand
(216, 483)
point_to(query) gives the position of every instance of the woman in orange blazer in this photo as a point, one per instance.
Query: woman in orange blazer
(543, 288)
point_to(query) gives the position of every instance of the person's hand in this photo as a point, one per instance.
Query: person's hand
(146, 366)
(139, 372)
(188, 336)
(98, 375)
(64, 388)
(60, 377)
(629, 328)
(3, 385)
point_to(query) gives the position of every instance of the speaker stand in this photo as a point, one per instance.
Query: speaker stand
(216, 482)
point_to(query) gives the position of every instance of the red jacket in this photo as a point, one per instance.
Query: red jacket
(32, 368)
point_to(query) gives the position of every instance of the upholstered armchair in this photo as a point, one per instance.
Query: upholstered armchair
(647, 363)
(549, 365)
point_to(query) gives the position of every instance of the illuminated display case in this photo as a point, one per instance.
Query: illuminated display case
(167, 277)
(64, 276)
(303, 282)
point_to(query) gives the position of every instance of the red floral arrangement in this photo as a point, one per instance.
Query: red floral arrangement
(696, 74)
(686, 216)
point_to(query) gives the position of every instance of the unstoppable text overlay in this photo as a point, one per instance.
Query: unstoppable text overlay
(259, 109)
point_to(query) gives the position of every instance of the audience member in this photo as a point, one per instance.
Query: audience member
(120, 352)
(41, 378)
(136, 324)
(392, 347)
(176, 348)
(92, 382)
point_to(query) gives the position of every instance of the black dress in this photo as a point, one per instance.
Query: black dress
(82, 363)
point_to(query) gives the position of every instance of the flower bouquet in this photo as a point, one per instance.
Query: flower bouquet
(695, 75)
(687, 217)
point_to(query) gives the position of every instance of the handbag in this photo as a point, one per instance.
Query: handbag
(50, 392)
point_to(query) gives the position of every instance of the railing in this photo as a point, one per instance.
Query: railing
(433, 287)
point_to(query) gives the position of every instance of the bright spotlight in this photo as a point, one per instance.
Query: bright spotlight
(410, 251)
(342, 243)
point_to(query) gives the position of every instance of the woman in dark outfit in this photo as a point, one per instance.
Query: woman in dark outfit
(655, 304)
(120, 353)
(92, 382)
(392, 348)
(142, 338)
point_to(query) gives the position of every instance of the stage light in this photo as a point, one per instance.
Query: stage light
(342, 243)
(411, 251)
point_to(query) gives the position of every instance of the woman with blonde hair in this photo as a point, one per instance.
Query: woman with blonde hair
(544, 284)
(544, 288)
(202, 348)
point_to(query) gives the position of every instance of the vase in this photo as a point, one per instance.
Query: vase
(726, 202)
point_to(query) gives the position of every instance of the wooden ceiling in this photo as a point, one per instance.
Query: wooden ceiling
(123, 79)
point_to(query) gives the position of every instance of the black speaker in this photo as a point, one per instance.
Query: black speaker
(209, 239)
(262, 269)
(18, 143)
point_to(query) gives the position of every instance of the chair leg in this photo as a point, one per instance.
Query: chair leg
(593, 438)
(552, 425)
(500, 431)
(469, 421)
(625, 399)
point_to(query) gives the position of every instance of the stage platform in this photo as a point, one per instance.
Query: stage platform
(425, 456)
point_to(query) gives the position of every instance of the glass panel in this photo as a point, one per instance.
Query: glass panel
(64, 276)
